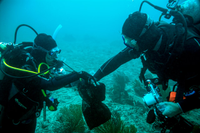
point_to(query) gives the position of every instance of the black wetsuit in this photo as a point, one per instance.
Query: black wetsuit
(185, 70)
(38, 84)
(33, 86)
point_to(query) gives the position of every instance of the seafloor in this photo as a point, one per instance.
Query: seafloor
(89, 56)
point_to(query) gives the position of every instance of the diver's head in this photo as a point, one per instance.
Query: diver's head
(47, 45)
(140, 32)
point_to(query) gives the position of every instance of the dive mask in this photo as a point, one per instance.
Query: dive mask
(55, 51)
(131, 43)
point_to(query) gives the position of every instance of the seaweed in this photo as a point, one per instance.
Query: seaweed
(71, 120)
(119, 94)
(130, 129)
(139, 88)
(115, 125)
(120, 81)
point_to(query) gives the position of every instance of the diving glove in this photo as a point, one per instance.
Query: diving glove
(89, 79)
(52, 104)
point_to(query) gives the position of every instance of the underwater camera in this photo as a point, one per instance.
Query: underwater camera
(173, 124)
(153, 96)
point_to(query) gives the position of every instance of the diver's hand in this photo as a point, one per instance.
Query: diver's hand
(87, 77)
(170, 109)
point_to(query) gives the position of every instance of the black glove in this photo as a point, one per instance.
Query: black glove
(89, 79)
(52, 104)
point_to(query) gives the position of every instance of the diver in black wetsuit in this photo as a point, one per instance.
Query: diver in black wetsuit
(24, 83)
(166, 51)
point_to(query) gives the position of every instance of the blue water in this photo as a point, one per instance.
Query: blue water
(81, 19)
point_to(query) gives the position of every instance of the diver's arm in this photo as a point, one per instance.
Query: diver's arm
(61, 81)
(112, 64)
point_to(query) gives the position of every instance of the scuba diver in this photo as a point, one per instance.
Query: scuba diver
(172, 51)
(25, 77)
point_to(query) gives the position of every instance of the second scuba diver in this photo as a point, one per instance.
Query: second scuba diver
(24, 82)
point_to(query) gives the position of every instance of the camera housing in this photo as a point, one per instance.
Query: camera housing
(173, 124)
(153, 96)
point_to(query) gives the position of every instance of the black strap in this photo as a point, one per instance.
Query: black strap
(143, 70)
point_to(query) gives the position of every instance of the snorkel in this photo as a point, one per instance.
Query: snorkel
(56, 31)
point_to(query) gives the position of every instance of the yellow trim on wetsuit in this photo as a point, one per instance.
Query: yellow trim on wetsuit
(24, 70)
